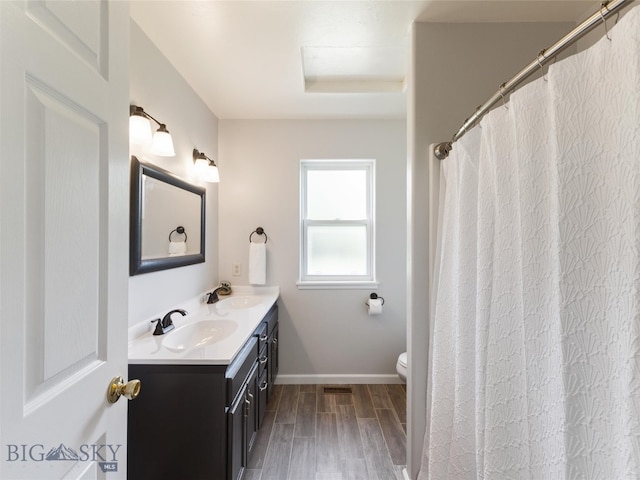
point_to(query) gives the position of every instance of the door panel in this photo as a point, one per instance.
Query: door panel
(82, 27)
(274, 359)
(263, 385)
(237, 436)
(62, 259)
(252, 411)
(63, 230)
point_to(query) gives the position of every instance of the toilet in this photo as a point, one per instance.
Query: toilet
(401, 367)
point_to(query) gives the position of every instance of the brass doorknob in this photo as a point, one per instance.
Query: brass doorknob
(118, 388)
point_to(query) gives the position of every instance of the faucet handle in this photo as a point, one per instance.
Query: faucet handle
(158, 330)
(212, 297)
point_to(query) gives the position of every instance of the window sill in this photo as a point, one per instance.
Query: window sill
(336, 285)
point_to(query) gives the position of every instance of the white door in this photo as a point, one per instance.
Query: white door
(64, 207)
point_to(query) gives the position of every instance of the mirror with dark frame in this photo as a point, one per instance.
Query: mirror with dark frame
(167, 220)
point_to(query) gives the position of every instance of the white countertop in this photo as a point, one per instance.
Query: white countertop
(244, 308)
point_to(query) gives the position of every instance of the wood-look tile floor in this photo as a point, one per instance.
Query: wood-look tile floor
(311, 435)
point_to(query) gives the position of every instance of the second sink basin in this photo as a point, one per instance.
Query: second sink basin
(241, 301)
(198, 334)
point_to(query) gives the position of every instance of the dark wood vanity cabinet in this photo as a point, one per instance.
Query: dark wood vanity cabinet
(242, 412)
(200, 421)
(273, 357)
(270, 350)
(263, 368)
(242, 426)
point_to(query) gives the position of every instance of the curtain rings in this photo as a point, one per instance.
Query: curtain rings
(541, 54)
(603, 6)
(504, 101)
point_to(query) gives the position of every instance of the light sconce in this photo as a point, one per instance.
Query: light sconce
(140, 132)
(205, 167)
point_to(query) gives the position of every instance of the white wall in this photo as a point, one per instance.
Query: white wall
(322, 332)
(161, 90)
(456, 67)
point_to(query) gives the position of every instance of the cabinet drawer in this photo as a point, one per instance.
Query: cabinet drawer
(238, 370)
(263, 359)
(262, 335)
(271, 318)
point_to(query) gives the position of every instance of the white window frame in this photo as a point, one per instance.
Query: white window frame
(338, 281)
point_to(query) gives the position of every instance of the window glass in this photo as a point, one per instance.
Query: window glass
(336, 194)
(337, 250)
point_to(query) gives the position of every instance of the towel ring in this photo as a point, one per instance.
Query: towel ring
(259, 231)
(180, 231)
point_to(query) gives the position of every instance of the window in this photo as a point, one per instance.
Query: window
(336, 223)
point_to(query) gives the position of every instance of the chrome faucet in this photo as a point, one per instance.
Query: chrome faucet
(223, 289)
(166, 324)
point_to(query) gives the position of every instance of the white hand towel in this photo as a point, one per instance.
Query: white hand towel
(257, 263)
(177, 248)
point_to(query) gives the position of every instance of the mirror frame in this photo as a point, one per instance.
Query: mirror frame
(136, 264)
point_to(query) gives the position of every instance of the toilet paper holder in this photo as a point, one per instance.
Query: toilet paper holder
(374, 296)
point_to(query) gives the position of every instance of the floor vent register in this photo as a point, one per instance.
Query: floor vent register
(338, 390)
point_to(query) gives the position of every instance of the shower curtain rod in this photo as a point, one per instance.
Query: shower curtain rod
(607, 8)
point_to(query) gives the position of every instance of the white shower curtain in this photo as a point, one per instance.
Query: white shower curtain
(535, 360)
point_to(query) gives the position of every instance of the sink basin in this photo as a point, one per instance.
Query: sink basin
(198, 334)
(241, 301)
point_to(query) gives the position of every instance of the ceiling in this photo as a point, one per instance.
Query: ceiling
(312, 58)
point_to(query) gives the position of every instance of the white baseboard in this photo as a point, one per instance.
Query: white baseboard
(336, 379)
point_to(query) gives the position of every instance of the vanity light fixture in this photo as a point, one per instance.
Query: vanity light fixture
(140, 132)
(205, 167)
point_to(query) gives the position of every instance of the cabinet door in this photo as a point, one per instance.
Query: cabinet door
(263, 386)
(252, 408)
(273, 359)
(237, 436)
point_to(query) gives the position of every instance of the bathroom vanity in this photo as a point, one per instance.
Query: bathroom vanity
(204, 394)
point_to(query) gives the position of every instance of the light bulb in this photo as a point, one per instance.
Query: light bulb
(211, 175)
(200, 166)
(162, 143)
(139, 130)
